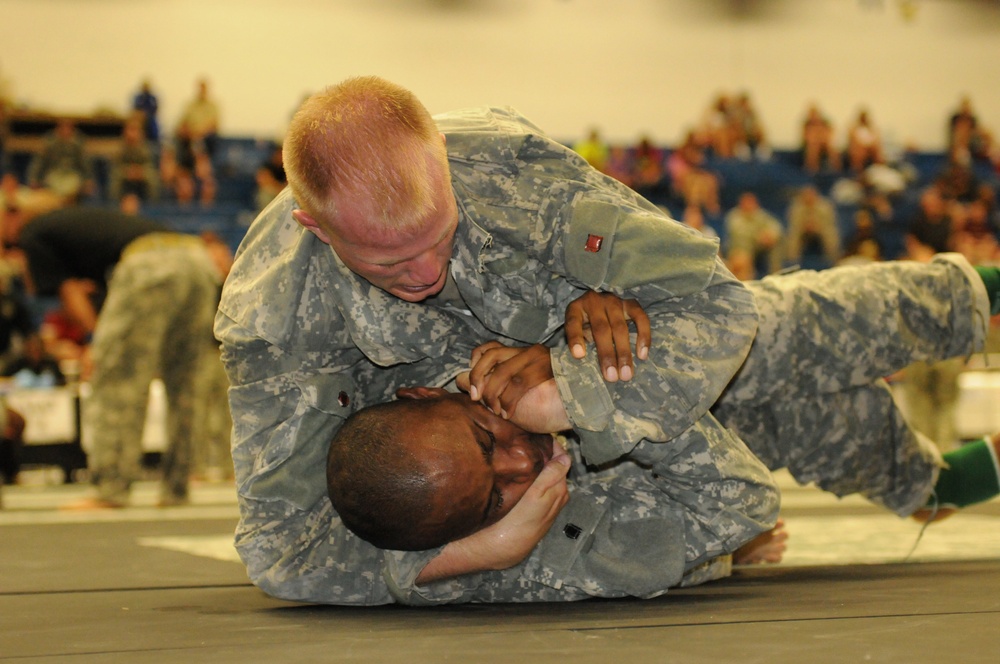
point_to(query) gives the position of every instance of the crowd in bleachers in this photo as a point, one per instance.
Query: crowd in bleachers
(839, 197)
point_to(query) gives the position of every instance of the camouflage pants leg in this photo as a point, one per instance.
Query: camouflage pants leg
(154, 300)
(213, 421)
(810, 396)
(183, 349)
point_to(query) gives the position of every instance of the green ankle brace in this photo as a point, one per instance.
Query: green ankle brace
(991, 278)
(971, 476)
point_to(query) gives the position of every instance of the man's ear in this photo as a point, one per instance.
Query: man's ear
(420, 392)
(311, 225)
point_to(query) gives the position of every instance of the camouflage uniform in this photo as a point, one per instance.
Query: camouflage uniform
(832, 420)
(306, 342)
(160, 302)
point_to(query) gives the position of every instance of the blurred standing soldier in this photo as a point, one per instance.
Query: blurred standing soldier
(146, 103)
(157, 309)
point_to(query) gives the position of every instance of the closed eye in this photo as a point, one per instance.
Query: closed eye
(488, 448)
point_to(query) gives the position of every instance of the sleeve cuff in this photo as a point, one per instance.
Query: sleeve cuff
(588, 404)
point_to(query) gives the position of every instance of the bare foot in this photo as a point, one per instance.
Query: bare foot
(91, 504)
(767, 547)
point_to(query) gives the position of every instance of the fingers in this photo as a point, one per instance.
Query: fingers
(549, 492)
(643, 333)
(576, 318)
(512, 372)
(463, 382)
(604, 317)
(484, 359)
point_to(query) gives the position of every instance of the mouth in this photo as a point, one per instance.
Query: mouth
(549, 447)
(425, 290)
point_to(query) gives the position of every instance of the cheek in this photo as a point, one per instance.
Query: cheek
(512, 495)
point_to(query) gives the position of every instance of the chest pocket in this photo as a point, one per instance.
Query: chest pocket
(516, 302)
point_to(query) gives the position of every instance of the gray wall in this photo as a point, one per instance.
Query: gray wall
(628, 66)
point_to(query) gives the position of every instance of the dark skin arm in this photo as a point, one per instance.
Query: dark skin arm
(75, 295)
(500, 378)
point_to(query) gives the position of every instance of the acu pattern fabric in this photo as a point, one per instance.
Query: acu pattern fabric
(160, 303)
(833, 420)
(306, 341)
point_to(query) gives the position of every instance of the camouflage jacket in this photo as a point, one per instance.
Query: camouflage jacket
(306, 342)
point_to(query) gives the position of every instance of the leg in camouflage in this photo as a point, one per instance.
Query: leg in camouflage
(810, 396)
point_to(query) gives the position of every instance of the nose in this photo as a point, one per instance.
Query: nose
(516, 464)
(425, 268)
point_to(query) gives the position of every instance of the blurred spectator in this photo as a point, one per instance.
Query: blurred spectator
(64, 338)
(11, 443)
(62, 166)
(750, 139)
(12, 193)
(864, 143)
(593, 149)
(966, 134)
(133, 169)
(647, 169)
(717, 127)
(619, 164)
(130, 204)
(16, 322)
(189, 168)
(741, 264)
(751, 231)
(977, 238)
(690, 180)
(6, 107)
(270, 178)
(818, 151)
(930, 230)
(198, 130)
(35, 367)
(863, 246)
(694, 218)
(146, 106)
(958, 182)
(813, 237)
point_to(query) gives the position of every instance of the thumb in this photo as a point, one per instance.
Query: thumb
(462, 381)
(554, 473)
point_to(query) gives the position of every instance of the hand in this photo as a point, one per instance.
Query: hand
(540, 411)
(603, 318)
(511, 539)
(501, 375)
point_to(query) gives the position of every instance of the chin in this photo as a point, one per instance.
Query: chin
(417, 296)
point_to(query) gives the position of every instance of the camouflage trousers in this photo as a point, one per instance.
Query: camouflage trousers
(811, 395)
(158, 313)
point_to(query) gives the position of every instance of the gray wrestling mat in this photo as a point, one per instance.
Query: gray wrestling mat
(149, 585)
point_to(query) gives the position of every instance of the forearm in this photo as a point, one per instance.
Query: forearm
(698, 344)
(75, 297)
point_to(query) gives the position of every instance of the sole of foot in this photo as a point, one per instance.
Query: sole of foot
(766, 548)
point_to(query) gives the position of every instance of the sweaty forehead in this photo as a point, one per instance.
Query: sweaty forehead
(453, 463)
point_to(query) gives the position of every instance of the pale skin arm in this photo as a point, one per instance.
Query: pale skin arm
(510, 540)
